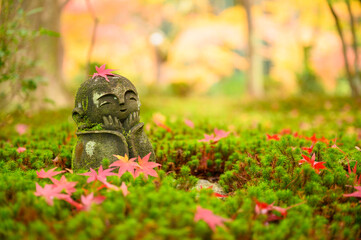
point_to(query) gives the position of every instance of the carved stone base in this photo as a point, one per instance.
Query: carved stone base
(93, 146)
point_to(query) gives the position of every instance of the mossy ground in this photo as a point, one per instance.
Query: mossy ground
(245, 164)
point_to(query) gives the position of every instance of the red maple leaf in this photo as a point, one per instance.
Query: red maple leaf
(285, 131)
(358, 178)
(313, 138)
(87, 201)
(49, 174)
(146, 167)
(209, 217)
(274, 137)
(269, 210)
(102, 72)
(262, 208)
(101, 176)
(64, 184)
(324, 140)
(49, 192)
(125, 164)
(308, 149)
(315, 165)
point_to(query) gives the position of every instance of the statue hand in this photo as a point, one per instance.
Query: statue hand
(132, 120)
(112, 124)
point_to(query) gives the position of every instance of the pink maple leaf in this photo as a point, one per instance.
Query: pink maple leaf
(209, 217)
(214, 138)
(355, 194)
(64, 184)
(101, 176)
(207, 138)
(125, 164)
(219, 134)
(21, 149)
(102, 72)
(49, 192)
(146, 167)
(189, 123)
(21, 128)
(109, 186)
(49, 174)
(124, 189)
(336, 147)
(87, 201)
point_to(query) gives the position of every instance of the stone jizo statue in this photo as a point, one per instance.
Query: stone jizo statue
(107, 114)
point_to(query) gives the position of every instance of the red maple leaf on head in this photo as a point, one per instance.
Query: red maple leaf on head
(146, 167)
(209, 217)
(87, 201)
(125, 164)
(101, 176)
(102, 72)
(49, 174)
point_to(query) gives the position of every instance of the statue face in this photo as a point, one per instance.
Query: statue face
(97, 99)
(117, 106)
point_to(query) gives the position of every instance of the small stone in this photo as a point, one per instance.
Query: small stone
(205, 184)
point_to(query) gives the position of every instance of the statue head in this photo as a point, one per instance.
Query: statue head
(97, 98)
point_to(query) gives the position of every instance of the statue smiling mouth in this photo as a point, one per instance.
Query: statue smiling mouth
(123, 110)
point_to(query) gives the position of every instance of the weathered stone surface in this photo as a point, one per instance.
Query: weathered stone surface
(107, 115)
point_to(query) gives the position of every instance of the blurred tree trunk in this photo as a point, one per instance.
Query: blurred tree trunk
(255, 66)
(48, 50)
(352, 77)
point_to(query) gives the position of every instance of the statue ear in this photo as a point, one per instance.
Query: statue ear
(78, 115)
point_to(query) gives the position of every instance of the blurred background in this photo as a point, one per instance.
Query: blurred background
(183, 48)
